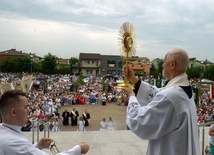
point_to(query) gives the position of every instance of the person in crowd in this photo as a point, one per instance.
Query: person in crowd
(81, 124)
(41, 116)
(45, 107)
(14, 109)
(58, 102)
(200, 118)
(92, 99)
(104, 99)
(47, 113)
(208, 116)
(163, 115)
(74, 97)
(74, 116)
(55, 124)
(63, 100)
(103, 125)
(56, 115)
(119, 99)
(65, 117)
(110, 124)
(69, 99)
(86, 117)
(51, 109)
(34, 123)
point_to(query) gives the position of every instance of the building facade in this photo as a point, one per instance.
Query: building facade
(111, 64)
(140, 64)
(89, 64)
(13, 53)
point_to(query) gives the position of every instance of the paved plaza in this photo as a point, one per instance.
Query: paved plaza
(97, 112)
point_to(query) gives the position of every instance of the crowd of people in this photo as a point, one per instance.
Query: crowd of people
(46, 99)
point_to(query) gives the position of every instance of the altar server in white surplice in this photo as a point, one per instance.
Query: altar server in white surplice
(14, 110)
(165, 116)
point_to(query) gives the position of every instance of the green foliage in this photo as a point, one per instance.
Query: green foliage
(80, 80)
(73, 61)
(20, 64)
(160, 69)
(63, 70)
(157, 72)
(194, 72)
(49, 64)
(37, 67)
(209, 72)
(153, 71)
(138, 74)
(78, 83)
(7, 64)
(23, 64)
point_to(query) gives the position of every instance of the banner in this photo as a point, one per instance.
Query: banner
(26, 83)
(5, 87)
(17, 84)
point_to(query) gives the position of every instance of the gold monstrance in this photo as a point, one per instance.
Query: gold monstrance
(127, 44)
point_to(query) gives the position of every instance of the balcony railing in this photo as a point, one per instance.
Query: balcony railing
(202, 125)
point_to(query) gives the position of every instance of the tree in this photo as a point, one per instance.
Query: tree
(7, 64)
(24, 64)
(49, 64)
(209, 71)
(194, 72)
(20, 64)
(138, 74)
(73, 61)
(78, 83)
(153, 71)
(160, 69)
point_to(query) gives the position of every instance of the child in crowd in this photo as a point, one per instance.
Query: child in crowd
(103, 125)
(55, 125)
(81, 124)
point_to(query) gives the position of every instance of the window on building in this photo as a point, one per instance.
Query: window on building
(119, 72)
(88, 72)
(120, 64)
(111, 64)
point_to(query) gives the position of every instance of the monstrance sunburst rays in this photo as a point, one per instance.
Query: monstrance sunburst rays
(127, 46)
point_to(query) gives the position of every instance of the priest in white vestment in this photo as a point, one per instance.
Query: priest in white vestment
(165, 116)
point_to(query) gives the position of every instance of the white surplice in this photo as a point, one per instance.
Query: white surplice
(14, 142)
(166, 117)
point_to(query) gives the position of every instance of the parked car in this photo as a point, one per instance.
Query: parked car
(207, 81)
(66, 78)
(86, 79)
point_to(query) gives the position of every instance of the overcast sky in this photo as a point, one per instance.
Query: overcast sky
(66, 28)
